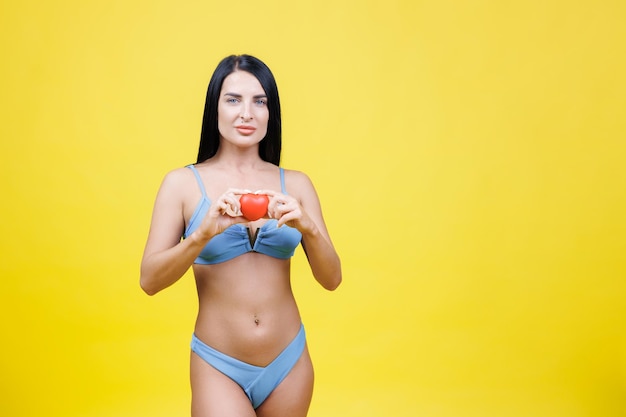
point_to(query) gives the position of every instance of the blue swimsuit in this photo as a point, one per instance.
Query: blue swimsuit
(256, 381)
(236, 240)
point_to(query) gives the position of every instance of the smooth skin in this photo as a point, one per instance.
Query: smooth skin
(246, 306)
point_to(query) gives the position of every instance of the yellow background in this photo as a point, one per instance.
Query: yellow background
(470, 160)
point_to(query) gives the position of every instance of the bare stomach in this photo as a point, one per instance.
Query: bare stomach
(246, 307)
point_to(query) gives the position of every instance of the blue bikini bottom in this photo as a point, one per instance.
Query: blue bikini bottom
(258, 382)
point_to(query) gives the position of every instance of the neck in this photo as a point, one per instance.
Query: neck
(229, 155)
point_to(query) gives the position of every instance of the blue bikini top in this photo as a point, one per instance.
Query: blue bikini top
(278, 242)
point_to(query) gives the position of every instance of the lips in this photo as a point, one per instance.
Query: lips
(245, 129)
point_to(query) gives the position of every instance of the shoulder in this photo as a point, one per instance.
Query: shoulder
(299, 185)
(297, 179)
(176, 181)
(178, 176)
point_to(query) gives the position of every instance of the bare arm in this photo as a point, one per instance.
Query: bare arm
(306, 216)
(166, 258)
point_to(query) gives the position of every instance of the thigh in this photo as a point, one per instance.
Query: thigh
(213, 394)
(293, 396)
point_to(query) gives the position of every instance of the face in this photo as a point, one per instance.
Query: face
(242, 112)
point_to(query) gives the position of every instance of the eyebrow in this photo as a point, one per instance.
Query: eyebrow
(239, 95)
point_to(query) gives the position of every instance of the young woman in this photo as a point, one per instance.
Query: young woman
(249, 355)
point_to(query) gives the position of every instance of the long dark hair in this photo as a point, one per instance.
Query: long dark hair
(270, 146)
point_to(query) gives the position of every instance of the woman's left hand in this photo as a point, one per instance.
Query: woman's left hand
(287, 210)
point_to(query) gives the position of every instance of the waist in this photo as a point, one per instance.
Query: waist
(246, 307)
(254, 338)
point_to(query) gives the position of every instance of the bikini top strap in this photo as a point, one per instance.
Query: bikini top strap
(282, 181)
(200, 183)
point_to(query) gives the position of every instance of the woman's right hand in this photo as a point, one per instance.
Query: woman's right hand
(223, 213)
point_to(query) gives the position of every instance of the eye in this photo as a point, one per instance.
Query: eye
(232, 100)
(261, 102)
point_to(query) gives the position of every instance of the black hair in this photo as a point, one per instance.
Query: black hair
(270, 145)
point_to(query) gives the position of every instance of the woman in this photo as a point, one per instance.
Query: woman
(249, 354)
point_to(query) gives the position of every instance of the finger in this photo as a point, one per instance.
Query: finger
(280, 201)
(291, 209)
(238, 191)
(286, 218)
(269, 193)
(275, 208)
(229, 204)
(233, 203)
(230, 211)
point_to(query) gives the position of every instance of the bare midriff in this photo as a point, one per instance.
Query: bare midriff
(246, 307)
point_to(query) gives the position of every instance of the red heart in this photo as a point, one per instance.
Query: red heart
(253, 206)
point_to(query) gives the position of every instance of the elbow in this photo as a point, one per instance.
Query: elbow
(149, 291)
(146, 285)
(147, 288)
(334, 280)
(334, 284)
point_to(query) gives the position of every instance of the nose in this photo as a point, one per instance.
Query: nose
(245, 112)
